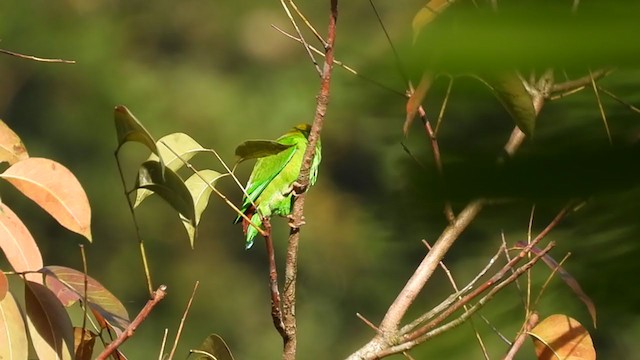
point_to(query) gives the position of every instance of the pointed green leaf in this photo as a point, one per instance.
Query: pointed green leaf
(12, 149)
(48, 323)
(199, 185)
(55, 189)
(182, 145)
(254, 149)
(510, 90)
(128, 128)
(13, 335)
(68, 286)
(214, 346)
(170, 187)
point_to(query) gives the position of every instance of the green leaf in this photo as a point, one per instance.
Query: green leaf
(199, 185)
(13, 335)
(214, 346)
(68, 286)
(511, 92)
(254, 149)
(182, 145)
(48, 322)
(170, 187)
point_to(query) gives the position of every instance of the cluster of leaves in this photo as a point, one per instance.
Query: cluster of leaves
(50, 289)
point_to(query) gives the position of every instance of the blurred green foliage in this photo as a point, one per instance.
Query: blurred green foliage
(217, 71)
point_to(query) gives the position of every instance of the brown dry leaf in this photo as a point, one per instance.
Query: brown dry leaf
(83, 342)
(18, 244)
(12, 149)
(559, 337)
(55, 189)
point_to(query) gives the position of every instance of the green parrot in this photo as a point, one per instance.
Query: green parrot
(270, 186)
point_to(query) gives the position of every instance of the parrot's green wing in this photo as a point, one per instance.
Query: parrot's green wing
(265, 170)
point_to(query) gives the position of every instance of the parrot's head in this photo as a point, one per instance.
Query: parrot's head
(305, 129)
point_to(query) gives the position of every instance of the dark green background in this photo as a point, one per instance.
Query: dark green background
(218, 71)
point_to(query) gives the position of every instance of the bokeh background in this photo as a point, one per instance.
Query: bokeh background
(219, 72)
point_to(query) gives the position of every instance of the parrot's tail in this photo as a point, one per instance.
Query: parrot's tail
(249, 230)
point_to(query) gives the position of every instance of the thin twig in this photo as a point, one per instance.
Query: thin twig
(343, 65)
(184, 318)
(306, 22)
(163, 344)
(583, 81)
(531, 322)
(84, 298)
(35, 58)
(600, 107)
(158, 295)
(276, 311)
(444, 105)
(304, 42)
(396, 57)
(616, 98)
(369, 323)
(454, 285)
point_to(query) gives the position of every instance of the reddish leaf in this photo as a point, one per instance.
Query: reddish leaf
(4, 286)
(55, 189)
(98, 297)
(48, 322)
(13, 336)
(12, 149)
(561, 337)
(18, 244)
(414, 102)
(83, 341)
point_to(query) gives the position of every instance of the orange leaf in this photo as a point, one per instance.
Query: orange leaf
(17, 243)
(12, 149)
(4, 287)
(561, 337)
(55, 189)
(13, 336)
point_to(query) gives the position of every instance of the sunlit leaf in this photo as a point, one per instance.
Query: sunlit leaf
(17, 243)
(12, 149)
(4, 286)
(213, 345)
(254, 149)
(170, 187)
(561, 337)
(427, 14)
(48, 322)
(13, 335)
(55, 189)
(199, 185)
(415, 100)
(511, 92)
(83, 342)
(182, 145)
(128, 128)
(68, 286)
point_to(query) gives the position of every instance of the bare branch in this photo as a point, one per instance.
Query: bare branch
(35, 58)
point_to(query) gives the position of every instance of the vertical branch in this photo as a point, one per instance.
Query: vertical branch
(291, 267)
(276, 312)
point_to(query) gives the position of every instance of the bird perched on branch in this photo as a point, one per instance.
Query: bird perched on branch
(270, 188)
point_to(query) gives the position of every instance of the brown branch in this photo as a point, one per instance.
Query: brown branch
(142, 315)
(291, 266)
(276, 311)
(580, 82)
(35, 58)
(517, 344)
